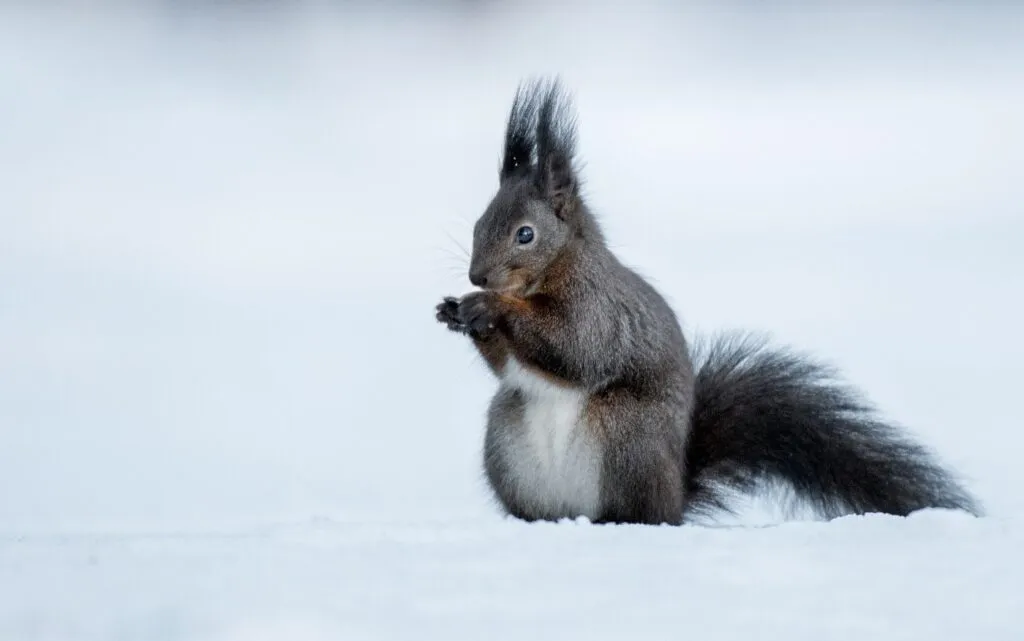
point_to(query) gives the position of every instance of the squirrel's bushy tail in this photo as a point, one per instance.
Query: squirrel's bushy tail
(768, 415)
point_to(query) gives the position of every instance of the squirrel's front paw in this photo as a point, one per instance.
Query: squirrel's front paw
(448, 313)
(478, 313)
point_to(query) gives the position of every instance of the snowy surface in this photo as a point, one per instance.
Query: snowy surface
(226, 411)
(927, 577)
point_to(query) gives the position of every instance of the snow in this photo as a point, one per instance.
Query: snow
(226, 411)
(928, 576)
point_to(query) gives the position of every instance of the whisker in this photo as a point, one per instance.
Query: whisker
(453, 255)
(458, 244)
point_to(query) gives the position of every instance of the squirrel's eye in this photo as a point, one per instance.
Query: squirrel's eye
(524, 235)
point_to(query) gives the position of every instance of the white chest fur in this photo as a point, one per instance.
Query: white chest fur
(556, 460)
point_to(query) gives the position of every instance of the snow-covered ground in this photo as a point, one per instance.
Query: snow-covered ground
(930, 576)
(226, 411)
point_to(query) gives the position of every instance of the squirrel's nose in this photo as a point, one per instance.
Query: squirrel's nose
(478, 279)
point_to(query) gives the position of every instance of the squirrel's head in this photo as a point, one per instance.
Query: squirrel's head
(537, 213)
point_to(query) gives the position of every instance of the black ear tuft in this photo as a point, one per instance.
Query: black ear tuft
(542, 121)
(556, 148)
(520, 137)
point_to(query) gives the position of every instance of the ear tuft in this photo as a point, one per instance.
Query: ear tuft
(557, 177)
(542, 123)
(520, 136)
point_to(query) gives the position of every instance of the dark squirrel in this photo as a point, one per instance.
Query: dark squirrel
(605, 411)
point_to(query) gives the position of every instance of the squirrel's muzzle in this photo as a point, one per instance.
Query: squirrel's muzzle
(478, 278)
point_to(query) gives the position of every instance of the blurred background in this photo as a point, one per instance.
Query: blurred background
(224, 226)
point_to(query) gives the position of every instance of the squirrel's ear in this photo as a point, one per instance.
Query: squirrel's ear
(558, 184)
(556, 146)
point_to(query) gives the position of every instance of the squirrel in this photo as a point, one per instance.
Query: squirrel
(604, 410)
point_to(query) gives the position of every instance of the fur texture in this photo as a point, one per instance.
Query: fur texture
(765, 415)
(551, 464)
(599, 410)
